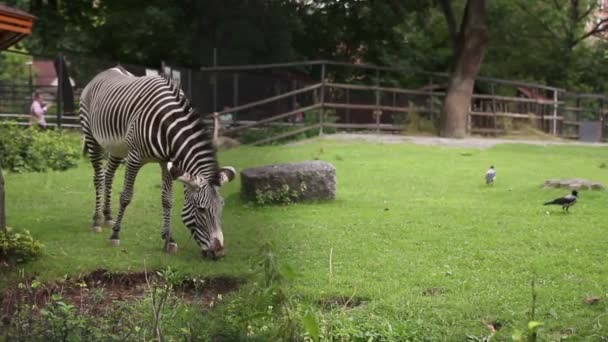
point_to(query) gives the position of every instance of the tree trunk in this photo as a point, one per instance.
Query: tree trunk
(2, 212)
(468, 56)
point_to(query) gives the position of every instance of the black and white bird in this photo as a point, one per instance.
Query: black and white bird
(490, 175)
(566, 201)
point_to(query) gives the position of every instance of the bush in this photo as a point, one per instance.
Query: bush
(33, 150)
(18, 247)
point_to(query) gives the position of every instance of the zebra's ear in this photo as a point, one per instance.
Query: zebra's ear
(182, 176)
(226, 174)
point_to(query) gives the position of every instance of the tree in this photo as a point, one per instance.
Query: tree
(469, 47)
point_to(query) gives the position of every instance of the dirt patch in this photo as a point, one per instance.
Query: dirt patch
(341, 302)
(433, 291)
(95, 291)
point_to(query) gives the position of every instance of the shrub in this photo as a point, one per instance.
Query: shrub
(283, 195)
(18, 247)
(33, 150)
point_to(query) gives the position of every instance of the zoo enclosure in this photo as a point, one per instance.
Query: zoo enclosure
(287, 99)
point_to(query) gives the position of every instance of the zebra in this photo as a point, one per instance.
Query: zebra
(137, 120)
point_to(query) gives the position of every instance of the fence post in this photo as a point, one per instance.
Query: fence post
(322, 100)
(377, 112)
(554, 111)
(2, 205)
(348, 120)
(602, 120)
(214, 78)
(235, 94)
(60, 90)
(493, 103)
(431, 104)
(190, 84)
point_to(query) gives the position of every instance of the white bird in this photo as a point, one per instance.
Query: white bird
(490, 175)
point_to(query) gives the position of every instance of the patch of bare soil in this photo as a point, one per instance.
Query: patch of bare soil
(341, 302)
(95, 291)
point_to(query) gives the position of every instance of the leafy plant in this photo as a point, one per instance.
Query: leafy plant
(18, 247)
(283, 195)
(30, 149)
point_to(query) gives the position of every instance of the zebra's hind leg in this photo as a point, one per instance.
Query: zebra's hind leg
(96, 153)
(133, 164)
(111, 166)
(167, 202)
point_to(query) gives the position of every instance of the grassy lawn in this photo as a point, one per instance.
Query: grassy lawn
(414, 230)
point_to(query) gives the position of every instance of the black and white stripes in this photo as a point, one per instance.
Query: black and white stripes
(149, 119)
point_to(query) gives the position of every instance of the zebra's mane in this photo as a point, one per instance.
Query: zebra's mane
(190, 111)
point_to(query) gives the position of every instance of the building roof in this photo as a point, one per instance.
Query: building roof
(14, 25)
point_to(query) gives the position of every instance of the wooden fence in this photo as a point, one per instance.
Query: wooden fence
(367, 102)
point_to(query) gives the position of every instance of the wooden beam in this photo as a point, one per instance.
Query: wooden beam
(285, 135)
(387, 127)
(273, 118)
(267, 100)
(16, 21)
(374, 107)
(513, 115)
(13, 28)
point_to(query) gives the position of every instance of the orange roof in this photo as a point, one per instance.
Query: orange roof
(14, 25)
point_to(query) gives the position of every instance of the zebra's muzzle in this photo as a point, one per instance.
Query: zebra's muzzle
(215, 251)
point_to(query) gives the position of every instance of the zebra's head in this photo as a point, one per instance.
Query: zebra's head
(203, 205)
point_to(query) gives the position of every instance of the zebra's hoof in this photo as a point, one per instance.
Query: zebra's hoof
(97, 229)
(171, 248)
(115, 242)
(109, 223)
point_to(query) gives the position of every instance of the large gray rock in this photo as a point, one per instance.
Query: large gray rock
(286, 183)
(573, 184)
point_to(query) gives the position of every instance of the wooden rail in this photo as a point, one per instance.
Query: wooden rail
(267, 100)
(286, 135)
(272, 118)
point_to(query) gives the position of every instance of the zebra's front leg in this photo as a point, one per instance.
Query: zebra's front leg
(111, 166)
(167, 202)
(96, 156)
(133, 165)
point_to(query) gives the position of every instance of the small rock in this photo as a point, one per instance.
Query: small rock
(574, 184)
(305, 181)
(592, 300)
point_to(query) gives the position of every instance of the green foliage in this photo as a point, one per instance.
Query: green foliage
(18, 247)
(283, 195)
(420, 124)
(14, 67)
(33, 150)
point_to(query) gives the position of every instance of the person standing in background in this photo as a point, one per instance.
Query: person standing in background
(38, 111)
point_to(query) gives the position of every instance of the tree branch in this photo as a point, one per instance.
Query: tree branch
(448, 12)
(589, 10)
(545, 26)
(601, 26)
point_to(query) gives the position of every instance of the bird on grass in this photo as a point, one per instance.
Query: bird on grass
(490, 175)
(566, 201)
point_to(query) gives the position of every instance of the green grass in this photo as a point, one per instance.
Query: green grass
(443, 229)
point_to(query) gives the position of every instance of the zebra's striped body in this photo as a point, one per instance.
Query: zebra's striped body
(149, 119)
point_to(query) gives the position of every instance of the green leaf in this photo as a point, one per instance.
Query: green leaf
(532, 325)
(311, 326)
